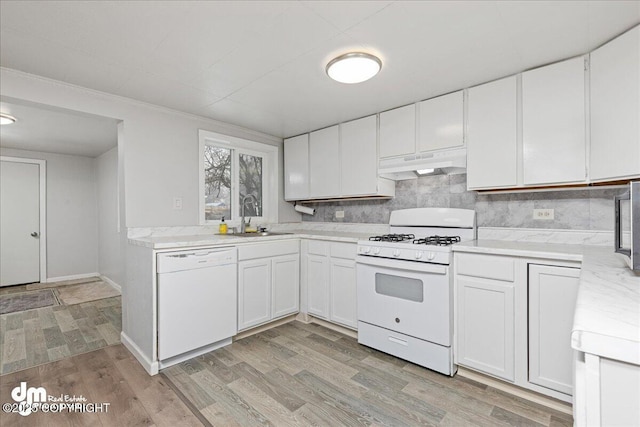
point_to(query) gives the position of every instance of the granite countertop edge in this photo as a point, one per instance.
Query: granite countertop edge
(182, 242)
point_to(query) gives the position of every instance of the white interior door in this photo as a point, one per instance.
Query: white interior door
(19, 223)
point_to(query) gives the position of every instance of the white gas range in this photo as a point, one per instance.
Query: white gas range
(405, 289)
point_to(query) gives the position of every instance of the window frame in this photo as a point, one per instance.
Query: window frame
(269, 175)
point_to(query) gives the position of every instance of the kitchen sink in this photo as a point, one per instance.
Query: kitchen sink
(259, 234)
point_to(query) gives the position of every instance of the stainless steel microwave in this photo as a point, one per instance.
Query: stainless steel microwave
(627, 231)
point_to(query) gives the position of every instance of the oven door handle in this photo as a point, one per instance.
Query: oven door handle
(396, 264)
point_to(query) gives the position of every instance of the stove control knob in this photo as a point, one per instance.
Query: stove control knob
(418, 255)
(431, 256)
(376, 251)
(366, 249)
(396, 253)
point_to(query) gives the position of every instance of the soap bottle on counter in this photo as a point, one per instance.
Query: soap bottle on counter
(222, 229)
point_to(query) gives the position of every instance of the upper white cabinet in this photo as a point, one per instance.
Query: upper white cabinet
(296, 167)
(336, 162)
(492, 135)
(615, 108)
(359, 156)
(398, 131)
(441, 122)
(324, 163)
(553, 124)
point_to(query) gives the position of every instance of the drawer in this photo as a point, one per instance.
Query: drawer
(423, 353)
(343, 250)
(485, 266)
(270, 249)
(317, 247)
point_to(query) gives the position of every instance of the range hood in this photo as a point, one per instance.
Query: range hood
(447, 161)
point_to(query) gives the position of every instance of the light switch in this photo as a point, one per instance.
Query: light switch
(177, 203)
(339, 214)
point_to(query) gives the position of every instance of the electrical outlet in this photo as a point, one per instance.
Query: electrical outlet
(339, 214)
(544, 214)
(177, 203)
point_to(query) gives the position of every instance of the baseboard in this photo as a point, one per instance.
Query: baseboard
(152, 367)
(329, 325)
(532, 396)
(113, 284)
(264, 327)
(72, 277)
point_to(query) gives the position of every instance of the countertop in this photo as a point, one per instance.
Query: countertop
(178, 242)
(607, 315)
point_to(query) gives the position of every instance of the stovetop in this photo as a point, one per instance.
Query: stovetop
(411, 238)
(421, 235)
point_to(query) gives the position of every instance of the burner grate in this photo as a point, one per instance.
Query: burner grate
(437, 240)
(392, 238)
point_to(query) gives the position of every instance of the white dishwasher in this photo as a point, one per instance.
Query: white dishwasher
(197, 302)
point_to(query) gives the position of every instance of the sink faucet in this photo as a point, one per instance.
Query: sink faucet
(243, 224)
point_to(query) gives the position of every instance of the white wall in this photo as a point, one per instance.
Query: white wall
(110, 242)
(72, 212)
(161, 150)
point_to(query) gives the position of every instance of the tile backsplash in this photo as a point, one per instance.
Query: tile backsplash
(585, 209)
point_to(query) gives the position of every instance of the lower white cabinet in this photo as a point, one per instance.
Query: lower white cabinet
(329, 276)
(552, 300)
(607, 392)
(317, 278)
(486, 326)
(254, 292)
(514, 317)
(268, 282)
(343, 292)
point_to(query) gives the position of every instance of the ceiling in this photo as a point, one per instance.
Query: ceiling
(53, 130)
(260, 64)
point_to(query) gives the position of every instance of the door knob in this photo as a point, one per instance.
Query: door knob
(34, 234)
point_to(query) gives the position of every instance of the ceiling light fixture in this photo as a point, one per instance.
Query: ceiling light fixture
(353, 67)
(6, 119)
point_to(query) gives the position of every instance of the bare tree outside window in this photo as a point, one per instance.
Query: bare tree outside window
(219, 176)
(217, 181)
(250, 182)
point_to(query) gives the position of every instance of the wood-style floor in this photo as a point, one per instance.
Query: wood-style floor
(305, 374)
(33, 337)
(109, 375)
(294, 374)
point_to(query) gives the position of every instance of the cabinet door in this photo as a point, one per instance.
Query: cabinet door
(553, 123)
(324, 163)
(318, 286)
(254, 292)
(359, 156)
(492, 135)
(486, 326)
(398, 131)
(552, 299)
(285, 285)
(441, 122)
(343, 292)
(296, 168)
(615, 108)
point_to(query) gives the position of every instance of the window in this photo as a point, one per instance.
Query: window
(232, 170)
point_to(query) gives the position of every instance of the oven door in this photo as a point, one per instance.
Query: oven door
(412, 298)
